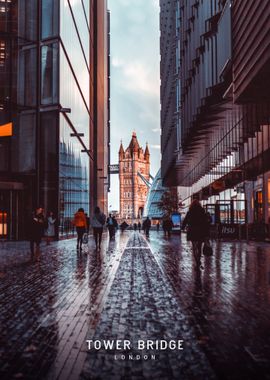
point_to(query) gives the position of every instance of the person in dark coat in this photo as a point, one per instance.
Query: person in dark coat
(97, 222)
(123, 226)
(167, 226)
(197, 229)
(139, 226)
(36, 230)
(115, 224)
(147, 226)
(111, 226)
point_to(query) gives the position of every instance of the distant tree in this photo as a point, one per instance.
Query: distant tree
(170, 202)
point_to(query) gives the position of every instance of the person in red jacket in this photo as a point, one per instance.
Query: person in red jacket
(80, 223)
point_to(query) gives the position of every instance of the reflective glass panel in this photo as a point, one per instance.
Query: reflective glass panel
(27, 76)
(76, 54)
(49, 19)
(70, 97)
(73, 178)
(49, 74)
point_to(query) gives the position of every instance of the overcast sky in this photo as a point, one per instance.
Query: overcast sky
(135, 104)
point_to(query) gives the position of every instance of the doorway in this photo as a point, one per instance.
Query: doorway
(258, 206)
(9, 214)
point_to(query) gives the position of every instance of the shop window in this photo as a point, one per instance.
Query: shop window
(258, 206)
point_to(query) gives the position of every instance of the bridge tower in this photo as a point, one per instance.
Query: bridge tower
(133, 190)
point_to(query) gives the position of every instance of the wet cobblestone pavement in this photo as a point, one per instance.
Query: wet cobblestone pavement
(135, 289)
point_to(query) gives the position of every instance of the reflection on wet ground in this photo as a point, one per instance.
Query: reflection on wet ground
(135, 289)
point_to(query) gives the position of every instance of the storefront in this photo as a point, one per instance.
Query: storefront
(11, 213)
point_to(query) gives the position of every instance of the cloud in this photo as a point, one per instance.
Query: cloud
(117, 62)
(138, 78)
(135, 80)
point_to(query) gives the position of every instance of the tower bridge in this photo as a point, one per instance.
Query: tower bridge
(134, 178)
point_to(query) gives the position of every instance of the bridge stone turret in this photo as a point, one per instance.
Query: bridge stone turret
(133, 190)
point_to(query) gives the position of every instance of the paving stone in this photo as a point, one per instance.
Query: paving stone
(51, 304)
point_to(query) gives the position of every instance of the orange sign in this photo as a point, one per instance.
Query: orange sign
(6, 130)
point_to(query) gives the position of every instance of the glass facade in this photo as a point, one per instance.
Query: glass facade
(49, 73)
(45, 92)
(222, 105)
(24, 160)
(49, 18)
(27, 76)
(152, 208)
(74, 94)
(48, 160)
(73, 178)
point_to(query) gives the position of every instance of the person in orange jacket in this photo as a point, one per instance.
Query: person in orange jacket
(80, 223)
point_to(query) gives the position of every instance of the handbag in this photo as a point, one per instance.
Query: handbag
(207, 249)
(85, 238)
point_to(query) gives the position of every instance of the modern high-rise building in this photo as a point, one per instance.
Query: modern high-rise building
(54, 96)
(134, 175)
(169, 71)
(219, 94)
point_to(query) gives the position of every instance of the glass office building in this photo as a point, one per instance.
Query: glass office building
(221, 55)
(46, 52)
(152, 207)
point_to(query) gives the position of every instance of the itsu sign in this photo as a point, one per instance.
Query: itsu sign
(228, 231)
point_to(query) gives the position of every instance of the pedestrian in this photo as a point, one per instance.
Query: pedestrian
(80, 223)
(196, 222)
(97, 222)
(158, 226)
(50, 227)
(111, 226)
(139, 226)
(169, 226)
(123, 226)
(115, 224)
(36, 228)
(147, 226)
(135, 226)
(87, 223)
(165, 226)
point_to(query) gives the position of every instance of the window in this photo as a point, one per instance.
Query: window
(27, 17)
(24, 144)
(49, 20)
(49, 74)
(4, 153)
(27, 78)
